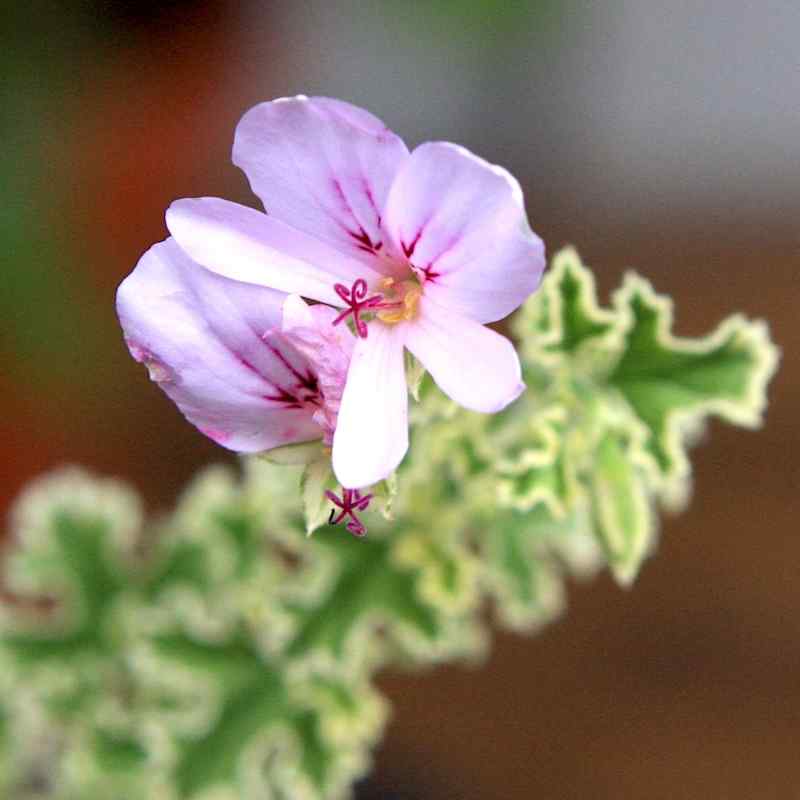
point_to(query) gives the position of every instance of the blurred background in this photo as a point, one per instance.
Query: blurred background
(658, 136)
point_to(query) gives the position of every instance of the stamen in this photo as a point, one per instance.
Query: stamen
(358, 302)
(351, 501)
(407, 305)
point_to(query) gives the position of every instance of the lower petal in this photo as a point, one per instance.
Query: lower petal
(372, 429)
(204, 340)
(470, 363)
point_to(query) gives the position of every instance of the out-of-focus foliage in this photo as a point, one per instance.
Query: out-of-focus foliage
(219, 652)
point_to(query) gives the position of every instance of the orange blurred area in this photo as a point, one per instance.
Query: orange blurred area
(687, 685)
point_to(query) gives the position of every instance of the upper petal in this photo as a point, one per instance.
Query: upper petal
(462, 222)
(470, 363)
(206, 341)
(247, 245)
(372, 429)
(325, 167)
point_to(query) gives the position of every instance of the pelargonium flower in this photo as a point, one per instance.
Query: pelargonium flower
(250, 367)
(418, 250)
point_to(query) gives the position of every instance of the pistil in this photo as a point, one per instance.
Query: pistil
(351, 501)
(357, 303)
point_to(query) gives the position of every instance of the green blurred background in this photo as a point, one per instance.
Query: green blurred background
(659, 136)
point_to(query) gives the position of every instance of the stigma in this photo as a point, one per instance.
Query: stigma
(398, 301)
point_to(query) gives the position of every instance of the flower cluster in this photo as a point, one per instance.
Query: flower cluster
(398, 249)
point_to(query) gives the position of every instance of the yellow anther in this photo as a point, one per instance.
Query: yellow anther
(392, 315)
(411, 301)
(406, 294)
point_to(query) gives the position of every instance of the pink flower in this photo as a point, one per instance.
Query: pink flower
(419, 250)
(250, 367)
(311, 331)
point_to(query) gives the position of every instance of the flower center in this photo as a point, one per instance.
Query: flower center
(397, 301)
(404, 298)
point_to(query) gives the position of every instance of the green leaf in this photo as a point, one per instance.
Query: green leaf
(533, 469)
(116, 754)
(673, 384)
(76, 535)
(445, 565)
(564, 314)
(369, 587)
(219, 652)
(525, 584)
(214, 758)
(623, 515)
(268, 730)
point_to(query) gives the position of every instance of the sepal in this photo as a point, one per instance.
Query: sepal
(317, 478)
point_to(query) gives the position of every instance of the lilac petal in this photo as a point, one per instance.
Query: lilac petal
(247, 245)
(356, 116)
(372, 429)
(315, 328)
(470, 363)
(296, 313)
(310, 330)
(206, 341)
(461, 222)
(324, 167)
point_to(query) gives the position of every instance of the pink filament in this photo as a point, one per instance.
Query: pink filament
(357, 302)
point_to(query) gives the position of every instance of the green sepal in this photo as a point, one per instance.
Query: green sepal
(415, 372)
(383, 496)
(299, 454)
(317, 477)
